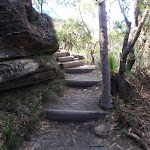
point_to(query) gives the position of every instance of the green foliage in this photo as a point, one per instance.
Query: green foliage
(124, 115)
(53, 91)
(22, 110)
(44, 58)
(20, 116)
(126, 6)
(8, 130)
(66, 2)
(115, 40)
(119, 26)
(113, 65)
(123, 131)
(38, 4)
(61, 74)
(73, 34)
(98, 65)
(143, 5)
(108, 117)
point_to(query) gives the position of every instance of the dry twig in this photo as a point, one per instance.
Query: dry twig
(140, 140)
(37, 143)
(74, 140)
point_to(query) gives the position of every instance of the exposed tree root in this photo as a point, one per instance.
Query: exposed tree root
(137, 137)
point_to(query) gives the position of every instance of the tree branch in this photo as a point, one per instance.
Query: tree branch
(113, 1)
(125, 42)
(100, 2)
(83, 20)
(125, 17)
(135, 35)
(128, 28)
(136, 12)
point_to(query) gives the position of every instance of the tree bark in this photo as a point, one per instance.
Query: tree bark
(135, 35)
(136, 12)
(121, 79)
(41, 6)
(105, 101)
(130, 60)
(131, 56)
(88, 30)
(128, 45)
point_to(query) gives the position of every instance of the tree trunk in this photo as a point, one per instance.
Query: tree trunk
(131, 56)
(121, 82)
(136, 12)
(105, 101)
(130, 60)
(41, 6)
(128, 45)
(121, 79)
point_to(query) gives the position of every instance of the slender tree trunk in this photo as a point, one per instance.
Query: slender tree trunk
(136, 12)
(130, 60)
(88, 30)
(65, 42)
(105, 101)
(128, 45)
(131, 55)
(41, 6)
(121, 79)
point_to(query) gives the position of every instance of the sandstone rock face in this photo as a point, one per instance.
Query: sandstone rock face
(25, 72)
(25, 36)
(23, 31)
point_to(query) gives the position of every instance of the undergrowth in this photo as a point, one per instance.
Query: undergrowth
(21, 111)
(133, 117)
(112, 63)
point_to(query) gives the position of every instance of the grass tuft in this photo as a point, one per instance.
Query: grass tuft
(112, 63)
(22, 110)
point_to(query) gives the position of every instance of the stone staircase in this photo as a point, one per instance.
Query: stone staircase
(73, 64)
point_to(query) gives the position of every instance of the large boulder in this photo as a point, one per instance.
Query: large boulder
(23, 72)
(27, 41)
(23, 31)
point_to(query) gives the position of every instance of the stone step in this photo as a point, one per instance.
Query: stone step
(71, 64)
(77, 56)
(80, 69)
(75, 59)
(61, 54)
(77, 83)
(74, 115)
(65, 59)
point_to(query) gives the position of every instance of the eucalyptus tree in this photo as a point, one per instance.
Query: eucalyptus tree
(128, 45)
(103, 39)
(139, 5)
(39, 4)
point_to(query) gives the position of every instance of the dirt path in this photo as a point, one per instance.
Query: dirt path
(78, 136)
(80, 98)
